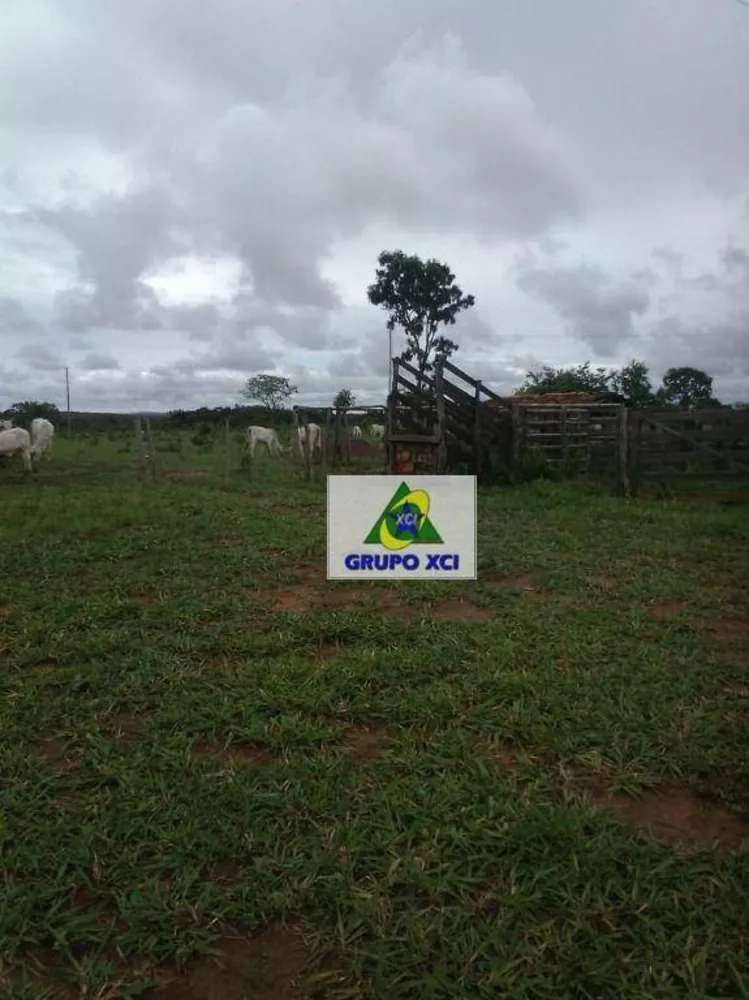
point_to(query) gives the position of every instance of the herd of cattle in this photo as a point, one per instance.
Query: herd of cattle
(33, 446)
(28, 446)
(269, 437)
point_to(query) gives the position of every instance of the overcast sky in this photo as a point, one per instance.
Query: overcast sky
(194, 192)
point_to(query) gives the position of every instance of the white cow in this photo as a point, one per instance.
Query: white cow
(263, 435)
(5, 425)
(356, 431)
(377, 430)
(16, 441)
(314, 438)
(42, 433)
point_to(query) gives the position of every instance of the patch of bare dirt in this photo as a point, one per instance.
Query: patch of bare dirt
(505, 754)
(6, 611)
(679, 815)
(56, 754)
(236, 754)
(293, 597)
(146, 597)
(515, 581)
(366, 742)
(457, 610)
(326, 651)
(126, 726)
(225, 873)
(352, 596)
(728, 628)
(266, 966)
(664, 610)
(316, 593)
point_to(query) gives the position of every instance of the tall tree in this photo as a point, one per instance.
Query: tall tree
(633, 382)
(25, 412)
(419, 297)
(344, 399)
(579, 378)
(271, 391)
(687, 388)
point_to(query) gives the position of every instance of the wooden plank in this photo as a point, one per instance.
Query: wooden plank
(459, 395)
(414, 438)
(477, 427)
(703, 447)
(325, 456)
(707, 415)
(622, 454)
(516, 417)
(440, 428)
(414, 373)
(454, 370)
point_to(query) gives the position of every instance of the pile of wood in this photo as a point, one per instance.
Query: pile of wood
(566, 398)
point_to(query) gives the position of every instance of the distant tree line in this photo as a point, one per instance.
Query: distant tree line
(681, 388)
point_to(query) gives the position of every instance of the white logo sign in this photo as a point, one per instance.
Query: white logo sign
(387, 527)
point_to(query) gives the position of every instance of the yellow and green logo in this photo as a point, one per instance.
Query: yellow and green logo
(405, 521)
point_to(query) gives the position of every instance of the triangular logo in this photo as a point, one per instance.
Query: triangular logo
(404, 521)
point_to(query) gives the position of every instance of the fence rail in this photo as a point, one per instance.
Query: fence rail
(481, 432)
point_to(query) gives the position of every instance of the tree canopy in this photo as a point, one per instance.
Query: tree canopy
(271, 391)
(28, 410)
(685, 388)
(344, 399)
(419, 297)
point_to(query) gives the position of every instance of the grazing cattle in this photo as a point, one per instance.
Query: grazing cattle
(356, 431)
(5, 425)
(266, 436)
(42, 433)
(16, 441)
(314, 438)
(377, 430)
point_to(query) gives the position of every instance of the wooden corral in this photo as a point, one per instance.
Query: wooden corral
(439, 423)
(708, 442)
(449, 422)
(338, 447)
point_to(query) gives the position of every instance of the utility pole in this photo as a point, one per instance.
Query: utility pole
(390, 362)
(67, 394)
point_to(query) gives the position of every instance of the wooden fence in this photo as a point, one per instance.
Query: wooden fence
(713, 442)
(450, 422)
(441, 422)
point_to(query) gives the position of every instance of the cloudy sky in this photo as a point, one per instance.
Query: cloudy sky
(194, 192)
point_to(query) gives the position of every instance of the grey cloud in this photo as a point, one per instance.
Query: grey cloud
(277, 188)
(39, 357)
(98, 362)
(348, 364)
(79, 343)
(236, 144)
(599, 310)
(15, 319)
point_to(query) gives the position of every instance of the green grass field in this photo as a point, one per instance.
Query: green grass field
(223, 777)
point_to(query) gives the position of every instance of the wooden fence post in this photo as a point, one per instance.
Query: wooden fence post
(390, 422)
(622, 426)
(477, 429)
(336, 437)
(347, 436)
(564, 438)
(305, 448)
(633, 450)
(440, 393)
(141, 448)
(325, 444)
(516, 435)
(151, 449)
